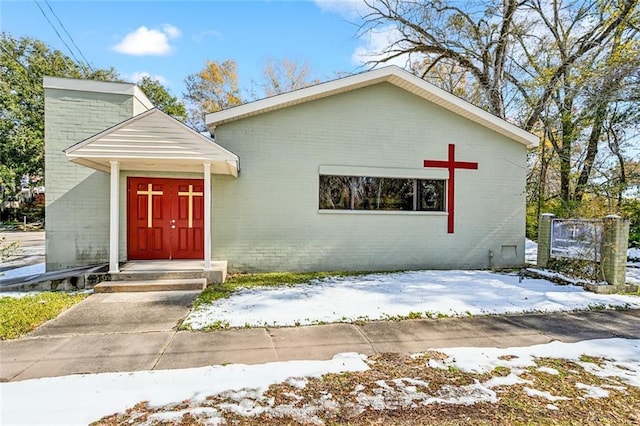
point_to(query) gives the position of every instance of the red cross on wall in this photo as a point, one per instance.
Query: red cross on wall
(452, 165)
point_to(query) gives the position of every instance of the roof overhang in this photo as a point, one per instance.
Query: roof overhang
(110, 87)
(153, 141)
(391, 74)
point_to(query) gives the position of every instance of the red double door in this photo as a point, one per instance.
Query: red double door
(165, 218)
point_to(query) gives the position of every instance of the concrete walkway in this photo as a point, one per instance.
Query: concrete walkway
(130, 332)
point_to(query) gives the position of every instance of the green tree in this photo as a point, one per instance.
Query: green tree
(23, 64)
(162, 99)
(583, 63)
(212, 89)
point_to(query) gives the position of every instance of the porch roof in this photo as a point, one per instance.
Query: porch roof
(154, 141)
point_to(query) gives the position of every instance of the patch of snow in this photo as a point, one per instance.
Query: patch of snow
(297, 382)
(17, 294)
(415, 382)
(212, 415)
(305, 414)
(436, 363)
(358, 388)
(530, 251)
(375, 402)
(593, 391)
(544, 394)
(81, 399)
(618, 388)
(464, 395)
(622, 357)
(24, 271)
(628, 372)
(560, 276)
(21, 294)
(379, 296)
(548, 370)
(510, 380)
(634, 254)
(245, 407)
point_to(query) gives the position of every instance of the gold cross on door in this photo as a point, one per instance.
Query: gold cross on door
(190, 194)
(150, 193)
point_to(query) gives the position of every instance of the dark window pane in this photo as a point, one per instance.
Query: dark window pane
(431, 195)
(375, 193)
(335, 192)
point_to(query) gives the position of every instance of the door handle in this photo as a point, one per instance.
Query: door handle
(173, 224)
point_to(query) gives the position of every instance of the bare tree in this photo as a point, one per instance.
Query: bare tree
(281, 76)
(556, 67)
(474, 37)
(574, 82)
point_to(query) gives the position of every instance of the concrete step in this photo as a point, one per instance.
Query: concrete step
(156, 275)
(151, 285)
(165, 270)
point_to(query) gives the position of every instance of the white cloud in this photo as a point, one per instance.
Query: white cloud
(139, 75)
(171, 31)
(148, 41)
(375, 43)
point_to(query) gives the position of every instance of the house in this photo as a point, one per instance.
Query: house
(375, 171)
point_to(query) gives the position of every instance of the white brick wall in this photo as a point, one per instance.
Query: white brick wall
(268, 218)
(77, 198)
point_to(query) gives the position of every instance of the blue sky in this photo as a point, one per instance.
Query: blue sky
(171, 39)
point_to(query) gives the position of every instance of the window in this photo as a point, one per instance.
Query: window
(381, 193)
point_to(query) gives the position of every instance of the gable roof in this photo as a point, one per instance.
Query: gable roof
(391, 74)
(153, 140)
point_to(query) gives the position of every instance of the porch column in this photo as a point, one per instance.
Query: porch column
(114, 223)
(207, 216)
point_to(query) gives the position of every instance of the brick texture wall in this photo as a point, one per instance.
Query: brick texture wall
(77, 198)
(268, 219)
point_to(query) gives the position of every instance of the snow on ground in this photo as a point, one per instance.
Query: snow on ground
(633, 256)
(381, 296)
(17, 294)
(530, 251)
(24, 271)
(620, 357)
(80, 399)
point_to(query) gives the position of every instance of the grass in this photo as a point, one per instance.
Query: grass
(337, 399)
(271, 279)
(19, 316)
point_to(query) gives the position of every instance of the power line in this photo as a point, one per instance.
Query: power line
(16, 60)
(59, 36)
(68, 35)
